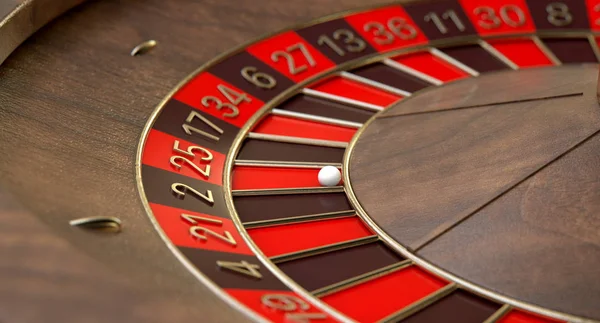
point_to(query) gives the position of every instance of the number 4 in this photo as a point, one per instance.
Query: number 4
(242, 267)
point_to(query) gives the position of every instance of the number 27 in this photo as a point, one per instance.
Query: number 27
(292, 65)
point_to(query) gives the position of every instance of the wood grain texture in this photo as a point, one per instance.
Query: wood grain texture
(539, 243)
(441, 183)
(19, 19)
(417, 174)
(72, 107)
(44, 278)
(493, 88)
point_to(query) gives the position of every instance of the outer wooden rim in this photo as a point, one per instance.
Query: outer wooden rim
(111, 295)
(22, 18)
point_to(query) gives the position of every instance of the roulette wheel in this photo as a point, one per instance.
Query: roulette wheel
(300, 161)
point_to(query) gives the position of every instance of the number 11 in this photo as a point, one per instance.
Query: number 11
(441, 26)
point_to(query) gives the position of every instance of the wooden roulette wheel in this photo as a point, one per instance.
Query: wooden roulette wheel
(414, 161)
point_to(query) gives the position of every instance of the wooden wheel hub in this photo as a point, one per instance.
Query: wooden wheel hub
(495, 178)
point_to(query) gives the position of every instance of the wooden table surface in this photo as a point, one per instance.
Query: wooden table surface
(73, 103)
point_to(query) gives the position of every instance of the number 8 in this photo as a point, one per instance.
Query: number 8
(559, 14)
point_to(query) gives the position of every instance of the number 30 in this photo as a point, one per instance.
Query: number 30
(511, 15)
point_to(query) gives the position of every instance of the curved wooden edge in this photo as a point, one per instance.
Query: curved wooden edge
(21, 18)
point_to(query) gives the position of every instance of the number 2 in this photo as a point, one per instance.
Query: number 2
(180, 191)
